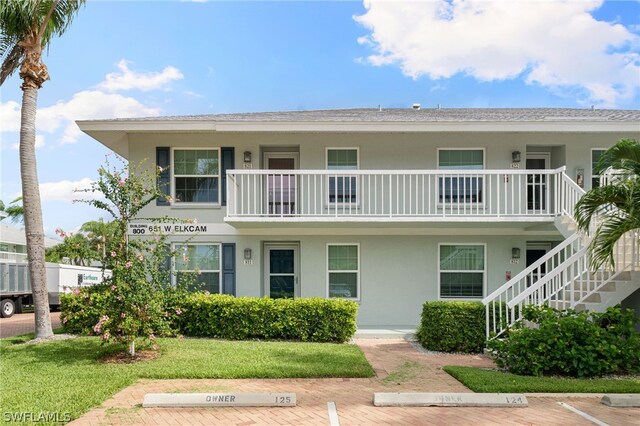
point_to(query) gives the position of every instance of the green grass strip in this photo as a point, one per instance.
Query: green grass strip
(485, 381)
(65, 377)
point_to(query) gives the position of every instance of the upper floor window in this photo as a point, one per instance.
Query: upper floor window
(196, 175)
(466, 188)
(595, 157)
(342, 189)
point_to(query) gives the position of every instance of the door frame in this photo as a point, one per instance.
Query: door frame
(543, 155)
(281, 245)
(281, 154)
(547, 196)
(266, 156)
(537, 245)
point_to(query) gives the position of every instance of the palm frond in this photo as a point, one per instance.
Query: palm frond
(11, 63)
(61, 18)
(602, 247)
(600, 199)
(624, 157)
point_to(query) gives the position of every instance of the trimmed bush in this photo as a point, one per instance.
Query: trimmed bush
(83, 309)
(577, 344)
(228, 317)
(449, 326)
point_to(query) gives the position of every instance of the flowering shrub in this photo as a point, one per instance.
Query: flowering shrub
(132, 306)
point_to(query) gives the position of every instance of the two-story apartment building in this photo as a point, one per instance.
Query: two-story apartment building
(390, 208)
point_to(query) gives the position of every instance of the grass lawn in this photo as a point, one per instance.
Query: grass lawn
(480, 380)
(65, 377)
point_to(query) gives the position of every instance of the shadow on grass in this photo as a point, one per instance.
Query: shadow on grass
(79, 350)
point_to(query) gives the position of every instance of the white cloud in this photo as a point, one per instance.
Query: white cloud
(64, 190)
(91, 104)
(556, 44)
(86, 105)
(9, 116)
(127, 79)
(39, 142)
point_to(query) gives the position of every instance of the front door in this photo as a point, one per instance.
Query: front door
(535, 251)
(281, 271)
(281, 187)
(537, 191)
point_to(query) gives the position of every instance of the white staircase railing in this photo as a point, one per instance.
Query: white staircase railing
(572, 281)
(500, 315)
(562, 278)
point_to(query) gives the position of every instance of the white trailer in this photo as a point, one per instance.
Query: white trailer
(15, 286)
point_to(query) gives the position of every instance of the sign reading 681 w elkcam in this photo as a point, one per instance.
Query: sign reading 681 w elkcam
(170, 228)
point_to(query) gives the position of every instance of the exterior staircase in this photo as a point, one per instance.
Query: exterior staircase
(568, 282)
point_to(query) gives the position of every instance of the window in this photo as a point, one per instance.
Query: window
(342, 189)
(196, 175)
(595, 157)
(462, 270)
(199, 266)
(455, 189)
(343, 271)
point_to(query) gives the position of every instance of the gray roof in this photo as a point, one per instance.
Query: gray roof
(413, 115)
(12, 235)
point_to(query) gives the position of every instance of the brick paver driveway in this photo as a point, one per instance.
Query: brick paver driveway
(23, 323)
(399, 367)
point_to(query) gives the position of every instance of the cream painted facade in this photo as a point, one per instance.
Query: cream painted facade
(399, 259)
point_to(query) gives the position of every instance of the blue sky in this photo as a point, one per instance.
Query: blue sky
(170, 58)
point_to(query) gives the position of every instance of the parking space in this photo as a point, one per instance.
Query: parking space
(399, 367)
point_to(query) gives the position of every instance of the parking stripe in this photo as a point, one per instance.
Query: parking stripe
(583, 414)
(333, 414)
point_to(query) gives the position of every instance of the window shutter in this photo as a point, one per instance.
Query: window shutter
(229, 269)
(163, 160)
(228, 162)
(165, 266)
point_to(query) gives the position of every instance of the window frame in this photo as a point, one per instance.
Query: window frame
(357, 178)
(593, 176)
(484, 272)
(174, 272)
(451, 204)
(357, 271)
(174, 176)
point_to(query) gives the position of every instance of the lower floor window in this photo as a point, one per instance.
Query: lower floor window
(462, 270)
(343, 270)
(198, 266)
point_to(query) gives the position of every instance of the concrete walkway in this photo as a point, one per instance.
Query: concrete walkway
(24, 323)
(399, 367)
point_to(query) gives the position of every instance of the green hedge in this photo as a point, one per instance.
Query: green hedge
(578, 344)
(452, 326)
(228, 317)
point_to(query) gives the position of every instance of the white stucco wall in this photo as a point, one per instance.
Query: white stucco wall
(398, 270)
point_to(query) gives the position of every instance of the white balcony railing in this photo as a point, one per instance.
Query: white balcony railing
(12, 257)
(396, 195)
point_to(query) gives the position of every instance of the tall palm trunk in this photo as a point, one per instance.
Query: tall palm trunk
(33, 73)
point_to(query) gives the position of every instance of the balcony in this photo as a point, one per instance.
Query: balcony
(407, 196)
(12, 257)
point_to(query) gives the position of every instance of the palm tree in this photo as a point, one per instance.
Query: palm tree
(26, 28)
(14, 211)
(101, 236)
(616, 204)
